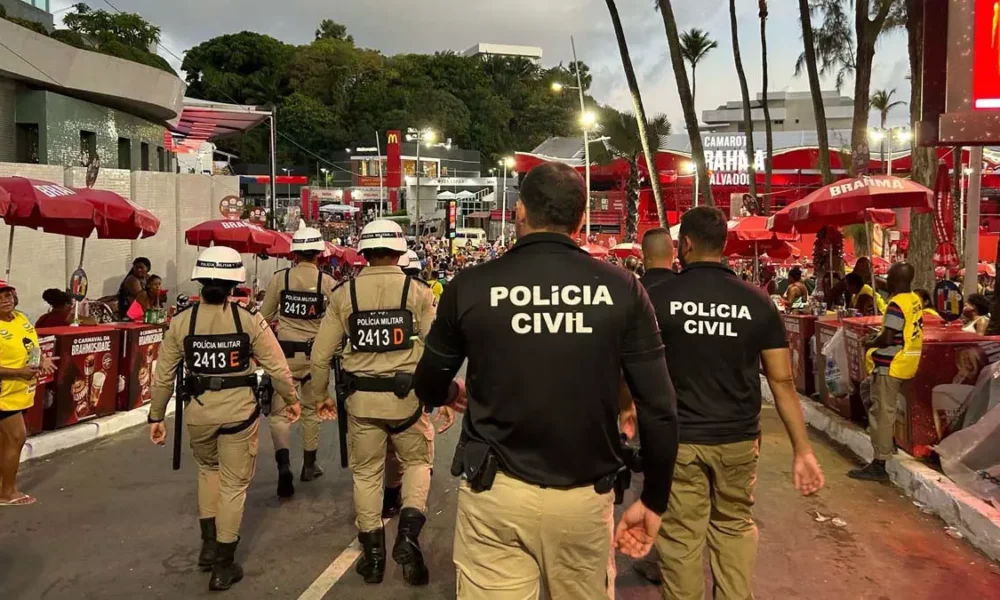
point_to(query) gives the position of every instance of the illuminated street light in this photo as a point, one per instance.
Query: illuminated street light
(557, 87)
(689, 166)
(588, 120)
(903, 135)
(876, 134)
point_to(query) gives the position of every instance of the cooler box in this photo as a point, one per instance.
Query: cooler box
(950, 363)
(799, 330)
(140, 348)
(86, 382)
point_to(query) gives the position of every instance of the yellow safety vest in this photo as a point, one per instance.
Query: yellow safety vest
(866, 290)
(904, 365)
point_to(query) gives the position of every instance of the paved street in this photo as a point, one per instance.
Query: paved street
(113, 521)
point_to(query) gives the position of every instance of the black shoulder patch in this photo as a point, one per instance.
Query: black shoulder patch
(250, 309)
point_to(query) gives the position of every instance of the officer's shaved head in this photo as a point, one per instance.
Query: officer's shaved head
(900, 278)
(704, 228)
(657, 249)
(554, 197)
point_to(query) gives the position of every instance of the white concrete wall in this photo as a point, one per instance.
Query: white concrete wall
(39, 259)
(42, 260)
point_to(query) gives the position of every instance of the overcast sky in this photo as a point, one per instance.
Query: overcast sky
(401, 26)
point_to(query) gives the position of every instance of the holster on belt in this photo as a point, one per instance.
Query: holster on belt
(290, 348)
(265, 394)
(477, 462)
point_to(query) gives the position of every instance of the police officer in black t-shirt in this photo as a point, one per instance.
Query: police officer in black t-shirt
(717, 330)
(657, 257)
(547, 331)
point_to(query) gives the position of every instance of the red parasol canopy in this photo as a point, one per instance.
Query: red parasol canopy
(843, 202)
(239, 235)
(983, 269)
(595, 250)
(117, 217)
(626, 250)
(749, 229)
(353, 258)
(332, 251)
(47, 206)
(282, 245)
(4, 201)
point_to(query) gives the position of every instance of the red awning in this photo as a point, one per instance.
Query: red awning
(204, 121)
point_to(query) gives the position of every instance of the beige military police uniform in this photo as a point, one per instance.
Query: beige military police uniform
(303, 277)
(372, 414)
(226, 462)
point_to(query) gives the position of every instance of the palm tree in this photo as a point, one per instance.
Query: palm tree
(687, 98)
(881, 101)
(809, 61)
(866, 31)
(747, 117)
(762, 13)
(640, 115)
(695, 44)
(625, 141)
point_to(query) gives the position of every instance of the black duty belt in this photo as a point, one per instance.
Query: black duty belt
(218, 384)
(291, 348)
(374, 384)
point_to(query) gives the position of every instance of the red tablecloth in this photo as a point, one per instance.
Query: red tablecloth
(799, 330)
(86, 378)
(139, 350)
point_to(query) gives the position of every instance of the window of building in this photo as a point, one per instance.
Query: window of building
(779, 122)
(796, 121)
(125, 153)
(26, 143)
(161, 160)
(144, 156)
(428, 169)
(88, 146)
(369, 168)
(41, 4)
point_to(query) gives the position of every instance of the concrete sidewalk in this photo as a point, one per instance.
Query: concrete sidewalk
(974, 519)
(49, 442)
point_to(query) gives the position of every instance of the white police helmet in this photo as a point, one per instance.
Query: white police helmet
(382, 234)
(308, 239)
(410, 260)
(221, 263)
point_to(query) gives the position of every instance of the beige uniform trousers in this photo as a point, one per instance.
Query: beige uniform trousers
(281, 429)
(514, 535)
(882, 414)
(367, 440)
(711, 499)
(226, 464)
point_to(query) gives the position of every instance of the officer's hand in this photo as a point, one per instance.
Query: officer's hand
(293, 412)
(445, 418)
(327, 410)
(637, 530)
(457, 399)
(158, 433)
(807, 475)
(628, 423)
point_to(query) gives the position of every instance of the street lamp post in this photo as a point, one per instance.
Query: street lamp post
(506, 163)
(419, 135)
(587, 120)
(692, 167)
(881, 136)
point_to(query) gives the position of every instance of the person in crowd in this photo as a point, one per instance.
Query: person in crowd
(976, 314)
(929, 311)
(60, 309)
(895, 359)
(715, 365)
(862, 297)
(223, 416)
(632, 265)
(796, 288)
(150, 296)
(384, 317)
(133, 284)
(296, 298)
(20, 364)
(767, 282)
(657, 256)
(540, 454)
(437, 287)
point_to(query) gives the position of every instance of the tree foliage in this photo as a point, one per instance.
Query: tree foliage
(625, 142)
(330, 94)
(103, 27)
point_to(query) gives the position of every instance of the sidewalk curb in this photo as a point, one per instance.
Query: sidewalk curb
(49, 442)
(976, 520)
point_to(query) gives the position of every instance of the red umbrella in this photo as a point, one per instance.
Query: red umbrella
(595, 250)
(332, 251)
(841, 203)
(353, 258)
(239, 235)
(983, 269)
(782, 220)
(47, 206)
(117, 217)
(282, 245)
(626, 250)
(751, 229)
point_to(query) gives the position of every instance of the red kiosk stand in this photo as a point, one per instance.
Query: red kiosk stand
(34, 417)
(799, 330)
(85, 383)
(140, 348)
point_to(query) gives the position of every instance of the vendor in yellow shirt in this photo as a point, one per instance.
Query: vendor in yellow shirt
(18, 346)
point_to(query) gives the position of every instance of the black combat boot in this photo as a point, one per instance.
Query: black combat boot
(406, 550)
(873, 471)
(209, 547)
(310, 470)
(225, 572)
(372, 563)
(392, 502)
(285, 477)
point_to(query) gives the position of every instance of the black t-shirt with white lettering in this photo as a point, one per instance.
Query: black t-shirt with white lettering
(547, 331)
(714, 328)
